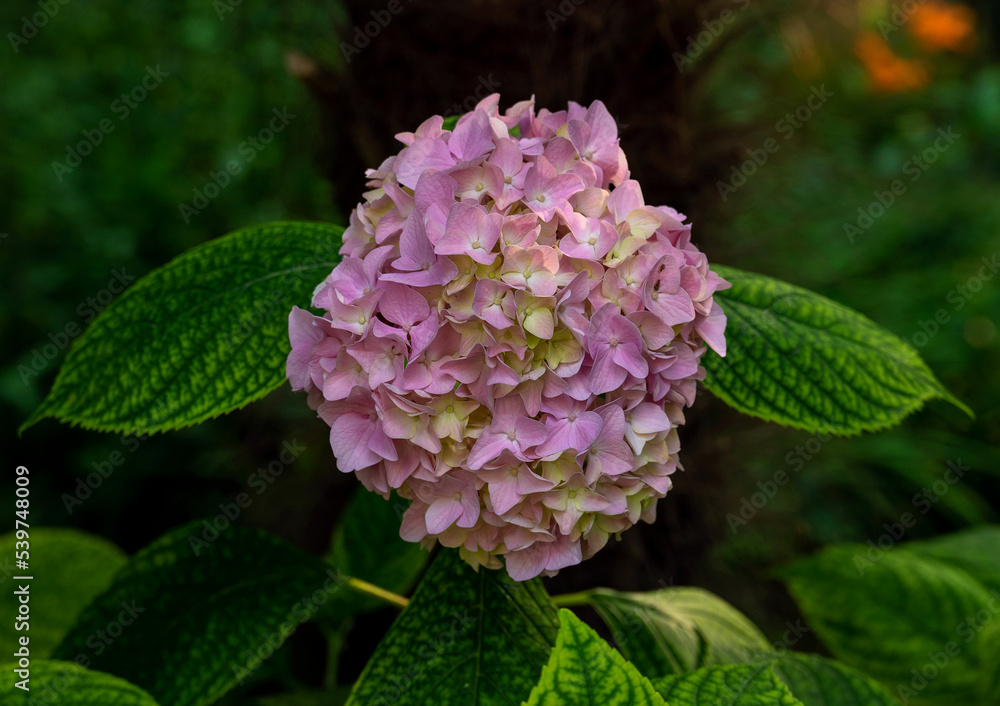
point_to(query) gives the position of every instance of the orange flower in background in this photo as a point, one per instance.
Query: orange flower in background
(940, 25)
(888, 71)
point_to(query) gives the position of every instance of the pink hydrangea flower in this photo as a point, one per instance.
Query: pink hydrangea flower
(511, 337)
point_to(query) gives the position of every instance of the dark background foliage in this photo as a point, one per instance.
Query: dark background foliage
(63, 236)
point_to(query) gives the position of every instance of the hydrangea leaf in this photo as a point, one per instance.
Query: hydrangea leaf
(189, 617)
(73, 567)
(201, 336)
(802, 360)
(69, 684)
(678, 630)
(900, 617)
(733, 685)
(974, 551)
(584, 670)
(818, 681)
(367, 545)
(467, 638)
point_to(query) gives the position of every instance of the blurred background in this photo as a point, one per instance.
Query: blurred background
(117, 119)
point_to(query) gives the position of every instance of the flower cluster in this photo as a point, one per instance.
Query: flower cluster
(510, 337)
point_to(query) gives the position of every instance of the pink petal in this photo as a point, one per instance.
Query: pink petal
(672, 309)
(422, 155)
(628, 357)
(606, 375)
(665, 276)
(625, 199)
(613, 458)
(577, 435)
(507, 157)
(470, 231)
(434, 189)
(343, 379)
(648, 418)
(470, 509)
(567, 519)
(564, 186)
(401, 305)
(442, 514)
(472, 137)
(562, 554)
(423, 334)
(654, 332)
(527, 563)
(504, 494)
(487, 448)
(713, 329)
(397, 424)
(530, 432)
(529, 482)
(416, 251)
(398, 472)
(303, 333)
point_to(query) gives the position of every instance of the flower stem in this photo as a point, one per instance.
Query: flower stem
(378, 592)
(571, 599)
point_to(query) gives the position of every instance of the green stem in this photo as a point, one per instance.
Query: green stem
(571, 599)
(377, 591)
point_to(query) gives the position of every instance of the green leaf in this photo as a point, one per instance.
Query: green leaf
(70, 568)
(732, 685)
(678, 630)
(467, 637)
(187, 619)
(894, 615)
(68, 684)
(799, 359)
(450, 122)
(197, 338)
(584, 670)
(976, 551)
(367, 545)
(818, 681)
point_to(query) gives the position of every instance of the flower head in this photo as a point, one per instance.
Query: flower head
(511, 337)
